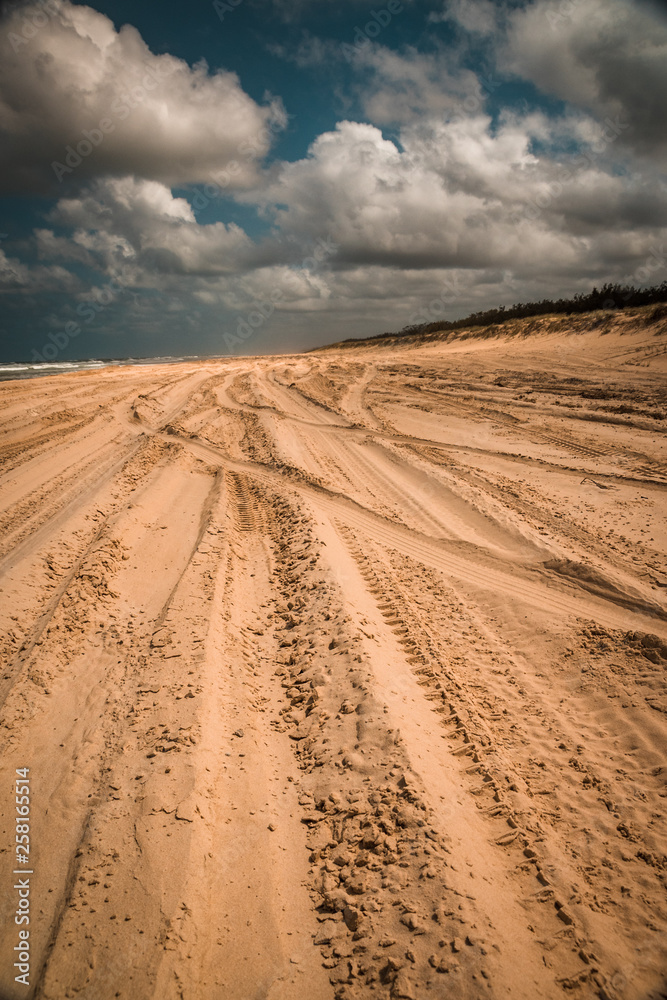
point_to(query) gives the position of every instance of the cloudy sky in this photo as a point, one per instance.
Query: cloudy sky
(249, 176)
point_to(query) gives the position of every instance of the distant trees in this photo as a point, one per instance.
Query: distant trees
(610, 296)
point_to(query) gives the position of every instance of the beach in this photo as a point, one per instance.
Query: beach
(341, 674)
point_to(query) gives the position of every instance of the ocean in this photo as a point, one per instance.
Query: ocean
(26, 369)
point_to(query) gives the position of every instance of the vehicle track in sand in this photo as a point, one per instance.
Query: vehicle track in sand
(321, 703)
(565, 442)
(477, 684)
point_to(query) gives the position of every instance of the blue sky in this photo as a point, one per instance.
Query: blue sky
(258, 176)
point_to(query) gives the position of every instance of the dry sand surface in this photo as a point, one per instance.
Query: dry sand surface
(341, 675)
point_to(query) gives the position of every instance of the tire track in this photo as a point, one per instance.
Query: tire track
(389, 920)
(462, 722)
(36, 519)
(98, 736)
(34, 636)
(553, 910)
(289, 744)
(564, 441)
(248, 511)
(531, 584)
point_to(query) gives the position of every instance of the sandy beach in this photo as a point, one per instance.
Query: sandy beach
(341, 675)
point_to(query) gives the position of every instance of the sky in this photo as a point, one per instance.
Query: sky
(266, 176)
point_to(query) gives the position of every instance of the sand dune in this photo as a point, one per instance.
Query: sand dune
(340, 675)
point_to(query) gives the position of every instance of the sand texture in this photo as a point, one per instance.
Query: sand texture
(341, 675)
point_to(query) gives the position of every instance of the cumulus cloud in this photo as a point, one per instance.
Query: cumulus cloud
(461, 210)
(466, 206)
(122, 222)
(607, 56)
(454, 195)
(77, 93)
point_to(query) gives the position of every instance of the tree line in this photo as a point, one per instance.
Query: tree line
(610, 296)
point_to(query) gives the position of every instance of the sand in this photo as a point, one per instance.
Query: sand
(340, 675)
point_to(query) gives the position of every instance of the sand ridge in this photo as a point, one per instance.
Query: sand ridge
(341, 675)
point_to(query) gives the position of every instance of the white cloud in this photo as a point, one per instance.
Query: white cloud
(457, 216)
(79, 83)
(465, 206)
(122, 221)
(445, 199)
